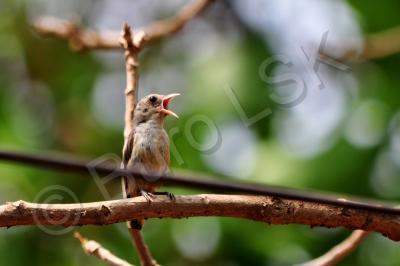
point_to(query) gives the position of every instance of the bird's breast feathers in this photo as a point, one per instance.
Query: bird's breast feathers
(150, 151)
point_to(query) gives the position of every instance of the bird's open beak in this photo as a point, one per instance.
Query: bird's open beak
(165, 102)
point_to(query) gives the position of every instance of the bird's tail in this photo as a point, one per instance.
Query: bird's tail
(136, 224)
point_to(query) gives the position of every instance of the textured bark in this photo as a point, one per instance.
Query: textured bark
(271, 210)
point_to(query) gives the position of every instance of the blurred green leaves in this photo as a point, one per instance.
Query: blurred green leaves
(46, 103)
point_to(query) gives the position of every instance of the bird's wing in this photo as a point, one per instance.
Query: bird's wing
(126, 156)
(127, 151)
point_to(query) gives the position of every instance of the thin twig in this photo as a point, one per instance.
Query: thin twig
(95, 249)
(142, 248)
(271, 210)
(340, 251)
(132, 76)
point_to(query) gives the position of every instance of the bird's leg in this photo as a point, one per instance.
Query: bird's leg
(170, 195)
(147, 195)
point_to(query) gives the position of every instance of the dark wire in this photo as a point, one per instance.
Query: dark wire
(206, 183)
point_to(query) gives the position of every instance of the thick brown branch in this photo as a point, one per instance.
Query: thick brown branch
(272, 210)
(340, 251)
(78, 38)
(95, 249)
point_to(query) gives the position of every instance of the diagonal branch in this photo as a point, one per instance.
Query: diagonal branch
(271, 210)
(382, 44)
(375, 46)
(162, 28)
(81, 39)
(95, 249)
(340, 251)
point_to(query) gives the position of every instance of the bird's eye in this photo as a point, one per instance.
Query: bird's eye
(153, 99)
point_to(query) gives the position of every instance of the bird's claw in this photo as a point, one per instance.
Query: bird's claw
(171, 196)
(147, 195)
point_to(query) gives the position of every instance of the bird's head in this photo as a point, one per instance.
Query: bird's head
(154, 107)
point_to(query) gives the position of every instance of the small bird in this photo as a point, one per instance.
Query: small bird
(147, 148)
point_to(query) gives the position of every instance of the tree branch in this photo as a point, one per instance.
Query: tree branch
(200, 182)
(382, 44)
(81, 39)
(340, 251)
(375, 46)
(143, 250)
(162, 28)
(271, 210)
(95, 249)
(132, 74)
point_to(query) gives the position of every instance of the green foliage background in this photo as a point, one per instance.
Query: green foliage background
(46, 105)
